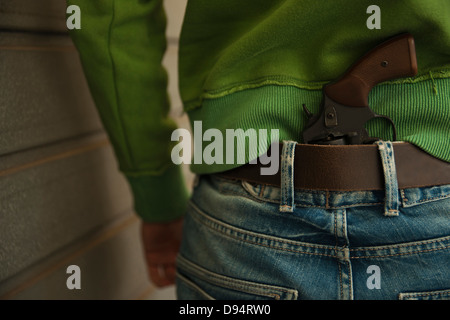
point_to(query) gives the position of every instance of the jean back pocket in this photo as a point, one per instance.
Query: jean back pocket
(195, 282)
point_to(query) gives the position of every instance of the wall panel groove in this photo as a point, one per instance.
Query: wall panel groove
(62, 198)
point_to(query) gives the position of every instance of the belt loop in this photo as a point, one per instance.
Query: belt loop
(287, 176)
(391, 201)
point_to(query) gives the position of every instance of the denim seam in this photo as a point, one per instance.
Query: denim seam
(350, 281)
(221, 280)
(341, 284)
(261, 191)
(283, 170)
(344, 231)
(307, 245)
(335, 230)
(426, 294)
(262, 200)
(426, 200)
(391, 185)
(410, 244)
(341, 207)
(193, 286)
(401, 253)
(280, 248)
(242, 289)
(258, 195)
(350, 278)
(251, 197)
(404, 199)
(238, 182)
(279, 240)
(343, 259)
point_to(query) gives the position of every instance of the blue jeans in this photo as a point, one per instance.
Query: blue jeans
(249, 241)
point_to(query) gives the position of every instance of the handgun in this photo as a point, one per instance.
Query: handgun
(345, 109)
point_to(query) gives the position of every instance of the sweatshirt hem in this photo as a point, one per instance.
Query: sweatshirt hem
(432, 74)
(419, 109)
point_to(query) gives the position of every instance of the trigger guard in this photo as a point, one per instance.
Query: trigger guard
(394, 130)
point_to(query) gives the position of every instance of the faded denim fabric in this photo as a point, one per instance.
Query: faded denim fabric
(249, 241)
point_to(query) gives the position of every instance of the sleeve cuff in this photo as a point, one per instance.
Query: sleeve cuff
(161, 198)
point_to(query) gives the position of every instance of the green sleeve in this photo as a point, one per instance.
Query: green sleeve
(121, 45)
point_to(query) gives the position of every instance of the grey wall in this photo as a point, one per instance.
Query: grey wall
(62, 200)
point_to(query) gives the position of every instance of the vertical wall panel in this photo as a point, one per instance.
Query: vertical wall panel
(62, 199)
(44, 96)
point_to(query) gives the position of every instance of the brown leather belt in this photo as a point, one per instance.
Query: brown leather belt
(351, 168)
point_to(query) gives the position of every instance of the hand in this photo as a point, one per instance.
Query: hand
(161, 244)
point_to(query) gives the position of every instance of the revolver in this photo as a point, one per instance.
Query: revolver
(344, 109)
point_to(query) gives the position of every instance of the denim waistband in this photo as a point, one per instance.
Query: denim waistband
(391, 192)
(288, 198)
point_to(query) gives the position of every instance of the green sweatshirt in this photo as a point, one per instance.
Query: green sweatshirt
(251, 64)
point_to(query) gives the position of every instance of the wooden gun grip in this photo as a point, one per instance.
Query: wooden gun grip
(392, 59)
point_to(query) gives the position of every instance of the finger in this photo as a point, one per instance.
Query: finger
(161, 275)
(156, 276)
(170, 272)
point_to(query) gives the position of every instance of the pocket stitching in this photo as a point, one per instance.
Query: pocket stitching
(193, 286)
(236, 284)
(304, 248)
(238, 232)
(246, 195)
(425, 200)
(444, 194)
(423, 294)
